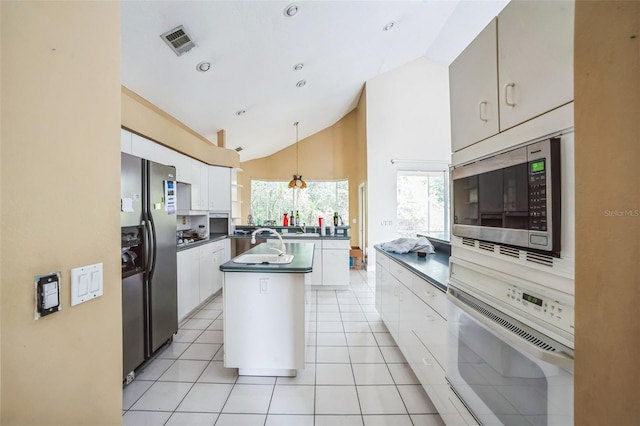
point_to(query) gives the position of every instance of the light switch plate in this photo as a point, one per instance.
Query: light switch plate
(86, 283)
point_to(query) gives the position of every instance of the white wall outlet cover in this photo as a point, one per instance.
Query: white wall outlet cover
(86, 283)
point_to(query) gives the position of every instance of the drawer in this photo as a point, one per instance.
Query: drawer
(431, 295)
(217, 245)
(382, 260)
(336, 244)
(424, 365)
(401, 273)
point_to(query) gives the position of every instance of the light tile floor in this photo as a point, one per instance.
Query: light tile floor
(354, 375)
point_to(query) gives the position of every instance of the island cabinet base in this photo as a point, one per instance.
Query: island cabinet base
(264, 322)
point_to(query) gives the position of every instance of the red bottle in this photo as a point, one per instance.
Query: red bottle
(285, 221)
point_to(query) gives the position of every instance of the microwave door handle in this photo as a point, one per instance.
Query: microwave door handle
(558, 359)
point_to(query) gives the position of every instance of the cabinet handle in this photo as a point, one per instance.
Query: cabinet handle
(506, 94)
(429, 293)
(429, 318)
(426, 362)
(481, 116)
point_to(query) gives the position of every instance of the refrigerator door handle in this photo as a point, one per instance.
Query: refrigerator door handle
(154, 251)
(148, 242)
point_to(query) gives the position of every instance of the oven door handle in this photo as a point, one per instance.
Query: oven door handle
(558, 359)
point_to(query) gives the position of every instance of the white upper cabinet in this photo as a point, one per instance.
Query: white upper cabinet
(219, 188)
(199, 185)
(519, 67)
(473, 91)
(125, 141)
(164, 155)
(535, 57)
(183, 167)
(142, 147)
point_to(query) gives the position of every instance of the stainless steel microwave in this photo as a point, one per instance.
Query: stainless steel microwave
(512, 198)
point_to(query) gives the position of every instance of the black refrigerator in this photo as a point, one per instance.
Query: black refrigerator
(149, 271)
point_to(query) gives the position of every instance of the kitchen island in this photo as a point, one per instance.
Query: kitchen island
(265, 311)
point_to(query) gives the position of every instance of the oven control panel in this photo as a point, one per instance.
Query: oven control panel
(539, 307)
(544, 308)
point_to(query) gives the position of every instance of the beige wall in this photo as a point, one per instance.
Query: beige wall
(337, 152)
(142, 117)
(60, 170)
(607, 117)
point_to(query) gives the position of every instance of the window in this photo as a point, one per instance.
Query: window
(271, 199)
(422, 202)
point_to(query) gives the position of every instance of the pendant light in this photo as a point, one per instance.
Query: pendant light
(297, 181)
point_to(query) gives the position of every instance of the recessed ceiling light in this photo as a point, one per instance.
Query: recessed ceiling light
(291, 10)
(203, 66)
(388, 26)
(240, 112)
(301, 83)
(298, 67)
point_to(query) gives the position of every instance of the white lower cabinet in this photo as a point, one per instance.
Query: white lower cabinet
(207, 271)
(414, 311)
(335, 262)
(264, 322)
(330, 260)
(199, 275)
(315, 277)
(188, 281)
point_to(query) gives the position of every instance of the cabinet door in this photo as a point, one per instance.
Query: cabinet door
(473, 91)
(204, 186)
(142, 147)
(196, 195)
(315, 277)
(207, 264)
(218, 259)
(535, 48)
(163, 155)
(183, 167)
(335, 266)
(125, 141)
(219, 188)
(188, 281)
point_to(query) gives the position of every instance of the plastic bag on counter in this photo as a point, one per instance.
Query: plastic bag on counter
(407, 245)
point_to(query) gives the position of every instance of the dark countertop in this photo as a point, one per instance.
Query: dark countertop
(340, 231)
(302, 259)
(434, 268)
(292, 237)
(212, 238)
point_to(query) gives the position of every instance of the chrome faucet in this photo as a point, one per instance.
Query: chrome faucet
(304, 227)
(274, 232)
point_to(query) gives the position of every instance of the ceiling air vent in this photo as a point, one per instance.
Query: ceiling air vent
(178, 40)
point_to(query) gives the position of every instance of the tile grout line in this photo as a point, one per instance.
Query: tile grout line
(200, 375)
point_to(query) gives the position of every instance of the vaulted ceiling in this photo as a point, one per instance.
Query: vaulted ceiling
(253, 90)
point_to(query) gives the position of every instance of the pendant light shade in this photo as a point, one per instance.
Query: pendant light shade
(297, 181)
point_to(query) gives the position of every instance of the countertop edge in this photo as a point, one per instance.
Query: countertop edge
(231, 266)
(291, 237)
(201, 243)
(395, 257)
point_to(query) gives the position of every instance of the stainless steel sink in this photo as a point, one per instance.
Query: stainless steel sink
(264, 259)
